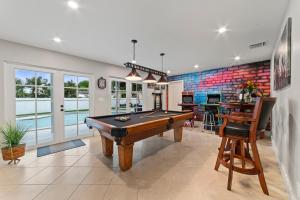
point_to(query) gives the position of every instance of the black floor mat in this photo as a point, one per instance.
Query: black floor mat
(42, 151)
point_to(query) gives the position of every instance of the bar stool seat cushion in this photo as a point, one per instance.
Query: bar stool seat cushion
(237, 129)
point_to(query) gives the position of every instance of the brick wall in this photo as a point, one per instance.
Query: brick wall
(226, 80)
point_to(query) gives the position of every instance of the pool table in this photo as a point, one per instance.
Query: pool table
(141, 125)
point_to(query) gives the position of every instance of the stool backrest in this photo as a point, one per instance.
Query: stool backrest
(262, 111)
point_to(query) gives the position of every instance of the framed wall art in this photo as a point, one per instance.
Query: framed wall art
(282, 58)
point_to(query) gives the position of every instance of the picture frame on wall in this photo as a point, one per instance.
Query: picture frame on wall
(150, 85)
(155, 87)
(282, 58)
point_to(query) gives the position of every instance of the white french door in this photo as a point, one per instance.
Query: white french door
(51, 104)
(34, 105)
(76, 105)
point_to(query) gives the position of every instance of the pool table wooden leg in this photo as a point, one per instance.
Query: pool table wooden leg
(161, 134)
(107, 146)
(125, 156)
(178, 134)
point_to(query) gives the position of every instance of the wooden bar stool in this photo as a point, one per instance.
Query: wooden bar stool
(239, 132)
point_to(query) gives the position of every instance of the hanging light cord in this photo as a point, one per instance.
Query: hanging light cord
(162, 61)
(134, 42)
(134, 51)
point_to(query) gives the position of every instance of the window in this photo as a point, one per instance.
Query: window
(136, 101)
(118, 97)
(34, 105)
(76, 105)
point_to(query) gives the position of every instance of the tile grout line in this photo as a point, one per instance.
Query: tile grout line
(40, 192)
(47, 185)
(106, 191)
(81, 180)
(34, 175)
(69, 167)
(108, 186)
(78, 186)
(50, 184)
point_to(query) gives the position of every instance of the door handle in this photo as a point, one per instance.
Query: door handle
(61, 109)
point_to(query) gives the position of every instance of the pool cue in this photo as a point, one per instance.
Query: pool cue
(149, 114)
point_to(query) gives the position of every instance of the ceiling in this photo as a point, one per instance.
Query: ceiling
(184, 30)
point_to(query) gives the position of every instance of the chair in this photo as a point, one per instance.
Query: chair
(238, 132)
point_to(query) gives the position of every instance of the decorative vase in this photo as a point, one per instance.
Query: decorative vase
(248, 98)
(14, 153)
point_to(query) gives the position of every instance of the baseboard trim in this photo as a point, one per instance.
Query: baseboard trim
(286, 179)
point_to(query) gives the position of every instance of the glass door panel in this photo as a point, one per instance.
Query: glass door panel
(136, 101)
(34, 105)
(70, 106)
(118, 97)
(76, 105)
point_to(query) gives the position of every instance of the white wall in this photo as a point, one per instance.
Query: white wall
(175, 94)
(286, 113)
(24, 54)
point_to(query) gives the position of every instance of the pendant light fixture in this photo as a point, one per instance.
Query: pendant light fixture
(163, 79)
(150, 78)
(133, 75)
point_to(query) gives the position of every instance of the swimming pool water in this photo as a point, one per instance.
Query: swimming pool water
(45, 121)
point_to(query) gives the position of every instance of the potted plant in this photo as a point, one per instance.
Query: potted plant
(248, 88)
(13, 148)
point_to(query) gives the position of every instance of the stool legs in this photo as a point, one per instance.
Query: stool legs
(208, 121)
(242, 152)
(241, 148)
(212, 121)
(232, 154)
(221, 152)
(204, 121)
(257, 162)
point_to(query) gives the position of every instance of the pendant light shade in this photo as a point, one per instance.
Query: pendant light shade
(150, 78)
(133, 76)
(163, 79)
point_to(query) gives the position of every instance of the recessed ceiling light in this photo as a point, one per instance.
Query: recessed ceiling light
(222, 29)
(73, 5)
(237, 58)
(168, 72)
(57, 39)
(196, 66)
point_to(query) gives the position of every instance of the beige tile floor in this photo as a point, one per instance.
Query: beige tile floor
(162, 170)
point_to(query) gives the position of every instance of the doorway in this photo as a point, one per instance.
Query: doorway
(51, 104)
